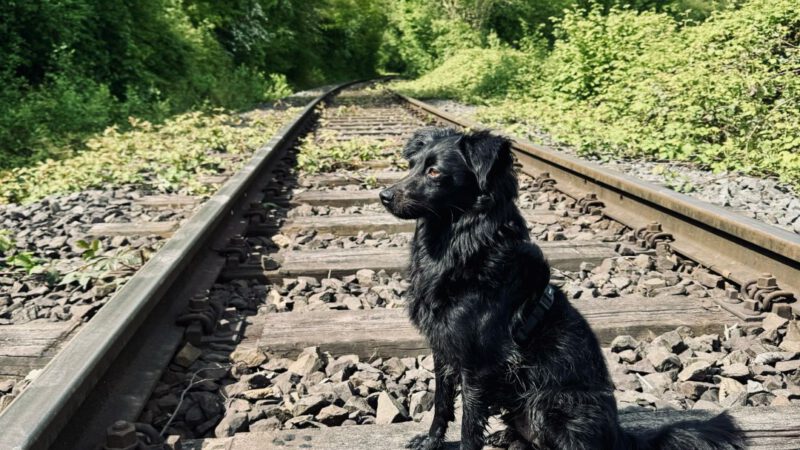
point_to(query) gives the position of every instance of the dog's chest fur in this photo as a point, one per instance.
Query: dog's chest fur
(449, 301)
(434, 305)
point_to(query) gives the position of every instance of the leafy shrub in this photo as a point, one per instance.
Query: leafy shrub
(12, 258)
(420, 37)
(593, 50)
(713, 82)
(165, 158)
(724, 93)
(421, 34)
(73, 67)
(471, 75)
(68, 109)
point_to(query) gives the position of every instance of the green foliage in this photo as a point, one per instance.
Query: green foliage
(594, 50)
(166, 158)
(25, 261)
(350, 32)
(419, 37)
(90, 249)
(421, 34)
(713, 82)
(323, 152)
(723, 93)
(6, 244)
(471, 75)
(674, 179)
(311, 43)
(105, 271)
(73, 67)
(329, 155)
(13, 259)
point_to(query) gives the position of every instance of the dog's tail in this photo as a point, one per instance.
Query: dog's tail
(718, 433)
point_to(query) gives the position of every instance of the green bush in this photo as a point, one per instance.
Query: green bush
(165, 157)
(593, 50)
(419, 36)
(73, 67)
(472, 75)
(723, 93)
(714, 82)
(33, 126)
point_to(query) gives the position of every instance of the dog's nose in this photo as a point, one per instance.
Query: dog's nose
(386, 195)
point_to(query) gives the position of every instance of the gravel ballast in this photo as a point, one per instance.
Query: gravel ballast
(52, 230)
(216, 393)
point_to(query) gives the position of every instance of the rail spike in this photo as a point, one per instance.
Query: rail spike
(200, 319)
(544, 182)
(765, 293)
(589, 204)
(256, 214)
(121, 436)
(651, 234)
(235, 252)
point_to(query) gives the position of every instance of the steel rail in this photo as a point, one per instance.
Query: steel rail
(737, 247)
(37, 416)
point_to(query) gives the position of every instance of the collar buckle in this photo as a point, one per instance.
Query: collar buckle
(528, 320)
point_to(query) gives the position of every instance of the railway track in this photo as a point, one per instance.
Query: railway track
(274, 317)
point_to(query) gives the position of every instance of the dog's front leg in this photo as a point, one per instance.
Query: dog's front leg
(475, 412)
(444, 408)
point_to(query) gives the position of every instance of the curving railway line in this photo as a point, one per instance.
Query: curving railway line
(274, 317)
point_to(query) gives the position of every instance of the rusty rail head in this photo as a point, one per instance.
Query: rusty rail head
(737, 247)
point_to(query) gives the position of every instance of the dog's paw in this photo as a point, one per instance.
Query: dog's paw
(424, 442)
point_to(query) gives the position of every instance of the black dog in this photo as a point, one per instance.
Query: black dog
(480, 293)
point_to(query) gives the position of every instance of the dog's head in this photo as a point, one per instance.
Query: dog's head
(451, 173)
(423, 137)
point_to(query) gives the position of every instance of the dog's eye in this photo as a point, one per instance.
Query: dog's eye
(433, 172)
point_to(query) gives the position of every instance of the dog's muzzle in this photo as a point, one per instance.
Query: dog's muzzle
(387, 196)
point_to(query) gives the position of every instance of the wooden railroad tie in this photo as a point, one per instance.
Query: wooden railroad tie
(212, 179)
(335, 198)
(386, 333)
(163, 229)
(29, 346)
(166, 201)
(765, 428)
(348, 225)
(383, 177)
(562, 255)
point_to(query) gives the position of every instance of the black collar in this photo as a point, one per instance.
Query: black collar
(531, 313)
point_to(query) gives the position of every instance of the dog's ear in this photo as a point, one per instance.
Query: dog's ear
(487, 155)
(423, 137)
